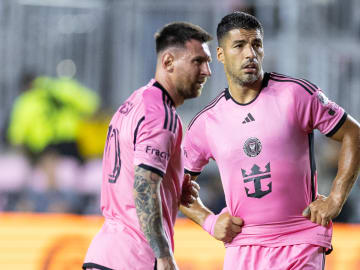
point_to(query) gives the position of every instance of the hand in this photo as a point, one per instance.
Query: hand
(190, 191)
(322, 210)
(227, 227)
(166, 263)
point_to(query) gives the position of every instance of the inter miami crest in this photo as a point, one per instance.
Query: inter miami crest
(252, 147)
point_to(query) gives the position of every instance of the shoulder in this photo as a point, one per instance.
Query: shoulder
(155, 100)
(153, 96)
(159, 108)
(202, 115)
(293, 86)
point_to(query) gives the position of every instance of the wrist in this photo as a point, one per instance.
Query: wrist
(337, 199)
(209, 223)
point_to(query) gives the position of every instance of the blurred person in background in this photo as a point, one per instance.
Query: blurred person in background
(143, 179)
(259, 131)
(44, 124)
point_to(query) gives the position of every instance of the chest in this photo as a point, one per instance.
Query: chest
(242, 132)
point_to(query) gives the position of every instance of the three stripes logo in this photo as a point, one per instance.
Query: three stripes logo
(248, 118)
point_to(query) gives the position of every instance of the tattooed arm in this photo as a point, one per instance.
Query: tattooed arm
(149, 211)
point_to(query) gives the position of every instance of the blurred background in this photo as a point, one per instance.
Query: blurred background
(66, 66)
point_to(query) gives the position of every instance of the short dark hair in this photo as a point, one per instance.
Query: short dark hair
(178, 33)
(236, 20)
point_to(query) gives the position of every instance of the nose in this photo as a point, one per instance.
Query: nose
(206, 70)
(250, 52)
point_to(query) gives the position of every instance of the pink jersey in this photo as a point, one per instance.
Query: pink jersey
(145, 131)
(265, 154)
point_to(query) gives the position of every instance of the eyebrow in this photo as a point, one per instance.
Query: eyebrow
(241, 41)
(203, 58)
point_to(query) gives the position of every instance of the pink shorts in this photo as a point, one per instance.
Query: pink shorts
(294, 257)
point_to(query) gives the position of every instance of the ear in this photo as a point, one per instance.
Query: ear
(220, 54)
(167, 61)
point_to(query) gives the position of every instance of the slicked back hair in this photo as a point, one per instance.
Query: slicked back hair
(237, 20)
(176, 34)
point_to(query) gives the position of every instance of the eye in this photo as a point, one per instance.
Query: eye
(257, 45)
(198, 61)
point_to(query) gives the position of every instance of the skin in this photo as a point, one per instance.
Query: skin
(149, 211)
(242, 53)
(237, 50)
(182, 72)
(324, 209)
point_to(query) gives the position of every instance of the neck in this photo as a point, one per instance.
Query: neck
(166, 82)
(245, 93)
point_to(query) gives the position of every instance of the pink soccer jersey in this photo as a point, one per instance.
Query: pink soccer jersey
(265, 154)
(145, 131)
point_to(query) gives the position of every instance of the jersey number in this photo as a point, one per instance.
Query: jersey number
(113, 150)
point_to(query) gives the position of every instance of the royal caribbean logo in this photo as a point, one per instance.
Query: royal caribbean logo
(252, 147)
(254, 178)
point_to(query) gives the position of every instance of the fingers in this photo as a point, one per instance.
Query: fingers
(324, 223)
(316, 214)
(237, 220)
(194, 189)
(227, 239)
(227, 227)
(237, 224)
(195, 185)
(236, 228)
(188, 200)
(190, 191)
(187, 178)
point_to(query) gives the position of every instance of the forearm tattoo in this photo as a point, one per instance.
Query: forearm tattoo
(149, 211)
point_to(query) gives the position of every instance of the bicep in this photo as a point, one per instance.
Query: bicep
(146, 175)
(350, 129)
(146, 185)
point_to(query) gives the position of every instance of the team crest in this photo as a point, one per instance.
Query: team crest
(252, 147)
(323, 99)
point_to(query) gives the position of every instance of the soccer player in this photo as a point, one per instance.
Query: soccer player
(143, 169)
(259, 130)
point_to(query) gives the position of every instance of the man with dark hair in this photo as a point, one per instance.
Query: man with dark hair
(143, 181)
(260, 132)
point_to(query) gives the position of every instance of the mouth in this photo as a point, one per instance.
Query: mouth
(251, 67)
(201, 82)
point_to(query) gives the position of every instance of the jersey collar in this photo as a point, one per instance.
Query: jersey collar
(158, 85)
(263, 85)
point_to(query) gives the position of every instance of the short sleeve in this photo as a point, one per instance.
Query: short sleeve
(153, 142)
(316, 111)
(196, 149)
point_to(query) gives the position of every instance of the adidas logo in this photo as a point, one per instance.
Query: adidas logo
(248, 118)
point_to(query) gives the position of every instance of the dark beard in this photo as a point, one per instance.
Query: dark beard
(188, 94)
(248, 81)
